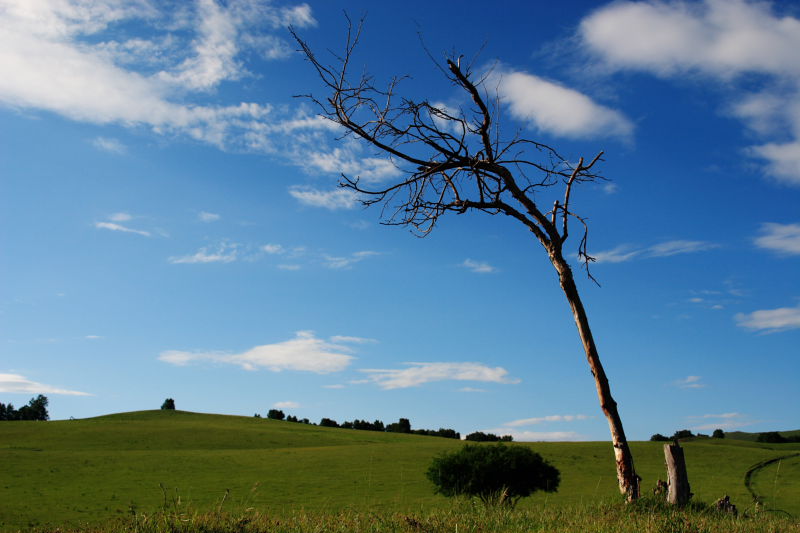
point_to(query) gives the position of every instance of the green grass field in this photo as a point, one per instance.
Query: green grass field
(90, 471)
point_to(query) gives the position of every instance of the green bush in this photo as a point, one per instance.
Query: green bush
(496, 474)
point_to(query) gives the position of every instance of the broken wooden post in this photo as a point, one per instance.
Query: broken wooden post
(678, 492)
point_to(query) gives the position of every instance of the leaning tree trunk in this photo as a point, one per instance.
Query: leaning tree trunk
(626, 475)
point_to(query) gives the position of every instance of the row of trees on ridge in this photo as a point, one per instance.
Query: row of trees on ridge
(35, 410)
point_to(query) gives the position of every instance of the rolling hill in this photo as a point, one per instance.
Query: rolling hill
(92, 470)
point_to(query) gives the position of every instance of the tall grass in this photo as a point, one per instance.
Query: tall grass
(465, 516)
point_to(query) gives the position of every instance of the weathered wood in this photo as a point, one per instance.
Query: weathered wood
(679, 492)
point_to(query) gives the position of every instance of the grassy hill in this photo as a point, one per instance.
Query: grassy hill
(743, 435)
(88, 471)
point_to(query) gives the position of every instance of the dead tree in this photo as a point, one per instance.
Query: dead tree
(454, 161)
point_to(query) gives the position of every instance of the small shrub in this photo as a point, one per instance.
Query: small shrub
(496, 474)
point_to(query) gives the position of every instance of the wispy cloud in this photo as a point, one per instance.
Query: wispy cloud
(551, 107)
(689, 382)
(724, 40)
(781, 238)
(725, 421)
(205, 216)
(770, 320)
(304, 353)
(333, 199)
(538, 436)
(420, 373)
(17, 384)
(471, 389)
(335, 386)
(542, 419)
(113, 226)
(274, 249)
(348, 261)
(111, 145)
(478, 267)
(92, 337)
(286, 405)
(628, 252)
(222, 253)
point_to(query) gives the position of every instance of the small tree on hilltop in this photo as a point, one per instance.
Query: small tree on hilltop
(169, 403)
(276, 414)
(496, 474)
(718, 434)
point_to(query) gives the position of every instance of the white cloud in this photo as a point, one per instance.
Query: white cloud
(205, 216)
(57, 56)
(118, 227)
(478, 267)
(17, 384)
(690, 382)
(538, 436)
(120, 217)
(275, 249)
(222, 253)
(420, 373)
(92, 337)
(471, 389)
(725, 421)
(289, 267)
(286, 405)
(334, 199)
(353, 340)
(304, 353)
(781, 238)
(337, 386)
(770, 320)
(347, 262)
(110, 145)
(626, 252)
(553, 108)
(722, 39)
(346, 160)
(542, 419)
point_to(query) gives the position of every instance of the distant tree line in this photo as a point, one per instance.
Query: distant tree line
(773, 437)
(35, 410)
(480, 436)
(403, 425)
(687, 434)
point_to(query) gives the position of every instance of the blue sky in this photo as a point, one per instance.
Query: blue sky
(171, 225)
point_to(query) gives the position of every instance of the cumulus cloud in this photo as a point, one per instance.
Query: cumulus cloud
(726, 40)
(222, 253)
(286, 405)
(553, 108)
(770, 320)
(60, 56)
(478, 267)
(274, 249)
(304, 353)
(420, 373)
(781, 238)
(332, 199)
(17, 384)
(625, 252)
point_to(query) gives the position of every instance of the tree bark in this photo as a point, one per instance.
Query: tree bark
(626, 475)
(679, 490)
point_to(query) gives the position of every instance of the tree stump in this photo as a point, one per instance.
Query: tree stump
(678, 485)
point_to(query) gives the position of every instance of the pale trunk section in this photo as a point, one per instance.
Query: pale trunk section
(626, 475)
